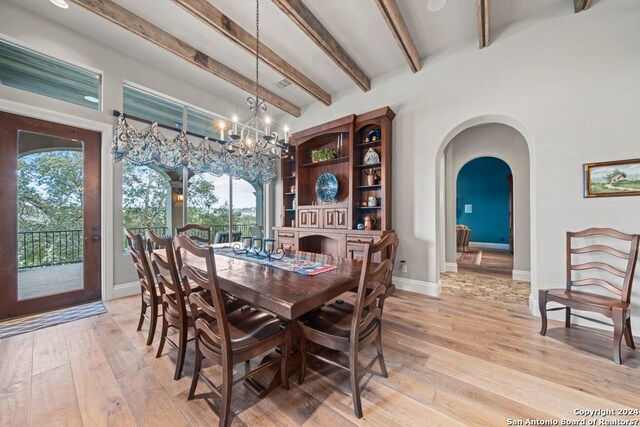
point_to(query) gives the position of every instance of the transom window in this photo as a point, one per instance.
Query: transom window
(34, 72)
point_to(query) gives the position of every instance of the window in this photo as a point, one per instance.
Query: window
(138, 103)
(247, 205)
(27, 70)
(208, 204)
(146, 199)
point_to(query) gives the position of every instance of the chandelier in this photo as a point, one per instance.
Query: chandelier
(255, 137)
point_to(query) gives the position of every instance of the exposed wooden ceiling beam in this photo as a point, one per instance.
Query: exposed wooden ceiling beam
(215, 19)
(391, 14)
(118, 15)
(303, 18)
(482, 7)
(580, 5)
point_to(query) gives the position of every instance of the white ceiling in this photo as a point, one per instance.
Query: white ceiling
(356, 24)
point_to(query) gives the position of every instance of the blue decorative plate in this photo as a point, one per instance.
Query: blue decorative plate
(327, 187)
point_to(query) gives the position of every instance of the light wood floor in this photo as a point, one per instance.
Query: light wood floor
(451, 361)
(494, 262)
(491, 280)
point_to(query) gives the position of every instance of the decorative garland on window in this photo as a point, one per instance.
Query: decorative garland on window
(150, 146)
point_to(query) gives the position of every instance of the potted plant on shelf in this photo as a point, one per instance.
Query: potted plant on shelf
(323, 155)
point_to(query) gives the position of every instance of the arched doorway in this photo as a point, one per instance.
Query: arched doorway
(484, 217)
(484, 137)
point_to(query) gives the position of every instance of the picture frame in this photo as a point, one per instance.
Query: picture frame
(613, 178)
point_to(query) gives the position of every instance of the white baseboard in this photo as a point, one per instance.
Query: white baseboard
(504, 246)
(521, 275)
(418, 286)
(126, 289)
(451, 267)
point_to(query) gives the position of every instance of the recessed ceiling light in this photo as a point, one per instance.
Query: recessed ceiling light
(60, 3)
(92, 99)
(434, 5)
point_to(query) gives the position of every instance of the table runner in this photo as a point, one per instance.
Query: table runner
(288, 263)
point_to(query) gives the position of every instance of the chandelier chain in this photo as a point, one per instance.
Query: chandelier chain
(257, 48)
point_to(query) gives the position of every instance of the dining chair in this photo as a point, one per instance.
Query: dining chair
(174, 292)
(228, 338)
(149, 293)
(173, 297)
(196, 232)
(614, 282)
(255, 230)
(223, 237)
(349, 328)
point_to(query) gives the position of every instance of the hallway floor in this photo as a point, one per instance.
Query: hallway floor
(489, 281)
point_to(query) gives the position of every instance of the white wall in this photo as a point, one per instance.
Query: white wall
(507, 144)
(39, 34)
(569, 84)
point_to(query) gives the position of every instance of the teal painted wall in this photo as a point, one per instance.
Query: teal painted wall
(482, 183)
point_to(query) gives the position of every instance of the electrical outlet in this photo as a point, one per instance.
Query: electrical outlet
(405, 267)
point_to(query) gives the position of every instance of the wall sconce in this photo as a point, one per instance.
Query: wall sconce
(178, 200)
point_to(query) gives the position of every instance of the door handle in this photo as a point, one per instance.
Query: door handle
(93, 237)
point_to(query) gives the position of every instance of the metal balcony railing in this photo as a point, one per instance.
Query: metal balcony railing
(244, 230)
(57, 247)
(44, 248)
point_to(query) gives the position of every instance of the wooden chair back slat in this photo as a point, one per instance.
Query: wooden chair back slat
(374, 295)
(199, 302)
(623, 290)
(372, 315)
(597, 282)
(198, 235)
(194, 275)
(600, 231)
(599, 265)
(600, 248)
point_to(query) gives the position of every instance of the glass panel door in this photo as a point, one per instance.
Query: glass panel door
(50, 221)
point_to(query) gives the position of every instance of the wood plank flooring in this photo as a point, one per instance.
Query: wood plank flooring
(451, 361)
(491, 280)
(495, 262)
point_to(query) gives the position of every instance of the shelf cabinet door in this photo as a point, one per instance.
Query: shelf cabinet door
(341, 216)
(314, 220)
(308, 218)
(329, 218)
(303, 218)
(336, 218)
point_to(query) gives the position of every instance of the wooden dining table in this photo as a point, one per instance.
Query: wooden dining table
(286, 294)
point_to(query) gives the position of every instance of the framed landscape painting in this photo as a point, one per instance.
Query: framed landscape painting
(617, 178)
